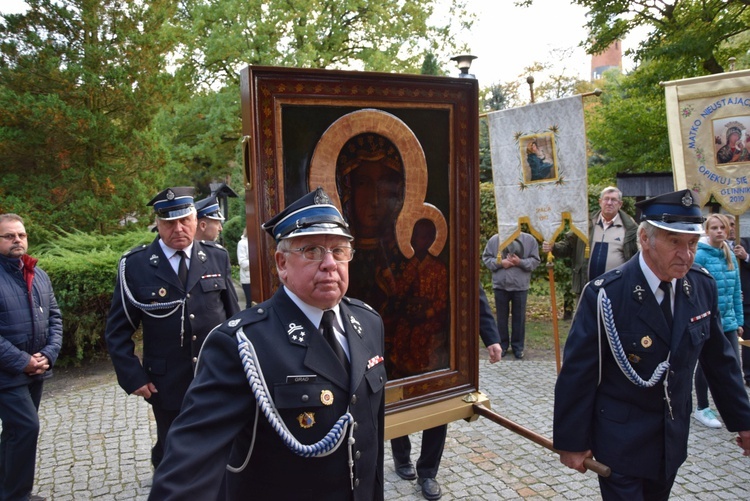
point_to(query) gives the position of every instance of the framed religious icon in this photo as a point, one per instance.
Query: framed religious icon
(398, 155)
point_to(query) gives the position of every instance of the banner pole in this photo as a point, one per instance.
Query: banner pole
(555, 329)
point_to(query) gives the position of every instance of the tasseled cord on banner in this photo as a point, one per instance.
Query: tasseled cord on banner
(263, 401)
(605, 317)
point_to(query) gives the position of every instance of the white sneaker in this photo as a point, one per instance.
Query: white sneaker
(707, 417)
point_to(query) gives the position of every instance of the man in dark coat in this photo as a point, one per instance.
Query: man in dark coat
(741, 247)
(175, 314)
(30, 340)
(288, 397)
(624, 394)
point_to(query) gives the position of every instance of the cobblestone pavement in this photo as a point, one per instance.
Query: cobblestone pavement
(95, 444)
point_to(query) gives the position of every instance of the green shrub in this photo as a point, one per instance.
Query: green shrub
(83, 268)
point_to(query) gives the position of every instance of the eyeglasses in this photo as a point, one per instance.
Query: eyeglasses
(11, 237)
(318, 253)
(613, 200)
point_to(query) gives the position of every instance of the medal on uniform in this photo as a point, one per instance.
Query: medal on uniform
(306, 419)
(326, 397)
(162, 292)
(646, 342)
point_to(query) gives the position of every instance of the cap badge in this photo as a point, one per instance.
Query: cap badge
(306, 419)
(321, 198)
(646, 342)
(326, 397)
(638, 293)
(687, 199)
(170, 195)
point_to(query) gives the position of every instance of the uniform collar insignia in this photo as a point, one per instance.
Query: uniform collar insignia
(296, 333)
(638, 292)
(233, 323)
(202, 256)
(154, 259)
(686, 287)
(355, 323)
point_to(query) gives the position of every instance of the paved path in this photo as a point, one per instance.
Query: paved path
(95, 444)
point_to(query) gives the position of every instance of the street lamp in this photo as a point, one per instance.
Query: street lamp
(464, 63)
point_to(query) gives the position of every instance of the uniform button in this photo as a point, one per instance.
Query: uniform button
(357, 455)
(153, 294)
(192, 317)
(305, 398)
(195, 359)
(354, 399)
(195, 338)
(356, 425)
(381, 379)
(356, 482)
(188, 295)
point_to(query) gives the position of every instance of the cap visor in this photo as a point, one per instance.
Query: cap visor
(679, 227)
(175, 214)
(319, 229)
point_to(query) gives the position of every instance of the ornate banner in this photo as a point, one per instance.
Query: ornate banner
(709, 123)
(539, 169)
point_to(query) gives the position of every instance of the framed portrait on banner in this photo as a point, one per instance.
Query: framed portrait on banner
(397, 154)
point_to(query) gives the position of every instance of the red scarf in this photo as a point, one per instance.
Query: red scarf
(29, 264)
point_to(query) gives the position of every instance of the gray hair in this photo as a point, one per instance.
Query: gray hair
(611, 189)
(11, 217)
(649, 230)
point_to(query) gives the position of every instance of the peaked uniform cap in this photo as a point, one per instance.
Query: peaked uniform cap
(676, 211)
(313, 214)
(173, 203)
(209, 207)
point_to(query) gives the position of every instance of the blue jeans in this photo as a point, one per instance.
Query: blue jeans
(19, 414)
(511, 303)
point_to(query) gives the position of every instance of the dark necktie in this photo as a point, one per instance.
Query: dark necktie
(182, 269)
(666, 303)
(326, 328)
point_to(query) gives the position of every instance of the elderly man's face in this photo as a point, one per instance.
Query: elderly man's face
(318, 283)
(669, 254)
(177, 233)
(610, 203)
(13, 239)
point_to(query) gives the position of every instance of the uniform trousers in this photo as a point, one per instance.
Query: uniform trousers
(433, 442)
(619, 487)
(19, 408)
(164, 419)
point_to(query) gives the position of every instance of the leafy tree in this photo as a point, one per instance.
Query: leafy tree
(79, 83)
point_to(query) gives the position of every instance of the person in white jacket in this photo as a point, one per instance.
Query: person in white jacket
(244, 261)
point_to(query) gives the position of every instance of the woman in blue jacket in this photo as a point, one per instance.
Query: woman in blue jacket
(715, 255)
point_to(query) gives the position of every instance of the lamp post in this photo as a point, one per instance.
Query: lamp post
(463, 61)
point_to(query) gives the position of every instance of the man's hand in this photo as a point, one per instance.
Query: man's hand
(740, 252)
(38, 364)
(575, 459)
(546, 247)
(146, 390)
(743, 440)
(496, 353)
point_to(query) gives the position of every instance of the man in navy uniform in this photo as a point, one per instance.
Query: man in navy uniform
(210, 219)
(177, 289)
(288, 396)
(624, 394)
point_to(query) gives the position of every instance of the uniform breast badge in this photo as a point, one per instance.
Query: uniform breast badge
(162, 292)
(306, 419)
(326, 397)
(646, 342)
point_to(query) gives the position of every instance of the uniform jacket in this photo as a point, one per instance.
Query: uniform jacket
(727, 282)
(30, 321)
(515, 278)
(215, 426)
(168, 357)
(630, 428)
(575, 248)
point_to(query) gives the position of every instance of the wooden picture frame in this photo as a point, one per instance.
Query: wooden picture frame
(307, 128)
